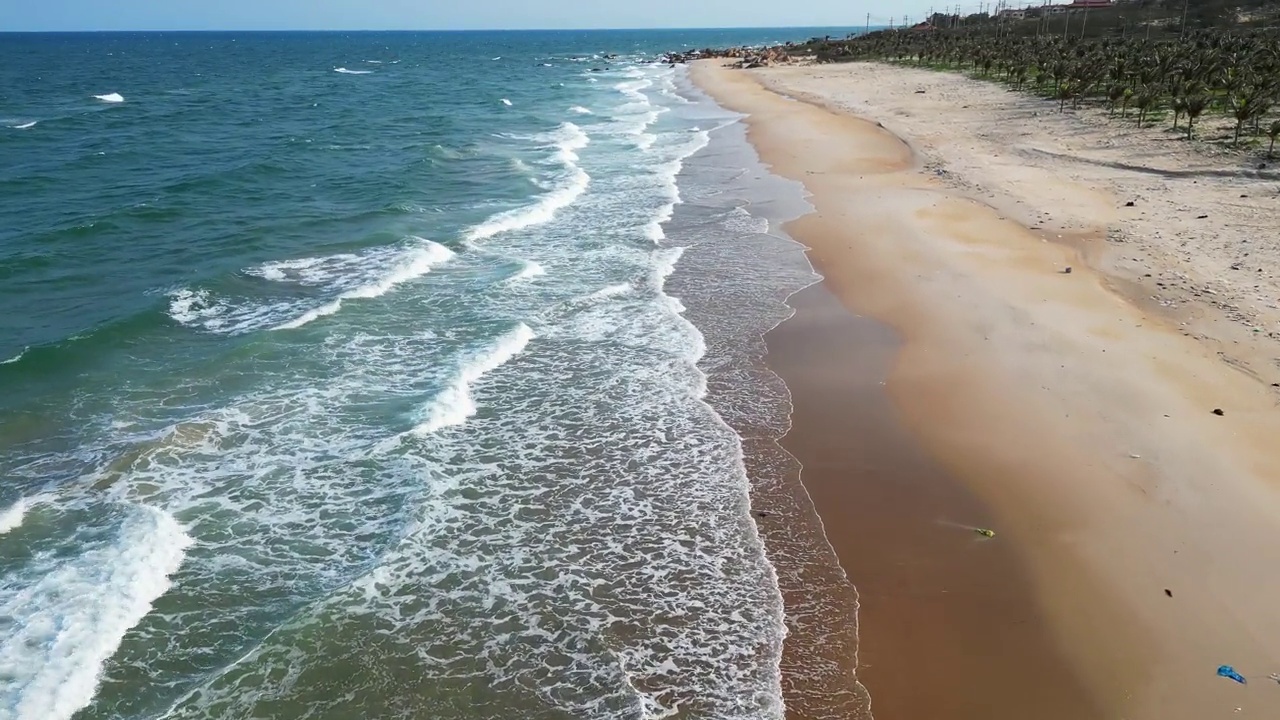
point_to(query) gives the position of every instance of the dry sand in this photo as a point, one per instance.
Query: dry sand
(1076, 407)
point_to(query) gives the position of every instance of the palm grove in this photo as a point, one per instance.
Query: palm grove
(1140, 58)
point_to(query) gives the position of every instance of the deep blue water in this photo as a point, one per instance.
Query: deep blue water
(339, 380)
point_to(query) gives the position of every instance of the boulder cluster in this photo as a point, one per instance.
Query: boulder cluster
(747, 57)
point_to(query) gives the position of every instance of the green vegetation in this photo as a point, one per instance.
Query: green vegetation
(1136, 58)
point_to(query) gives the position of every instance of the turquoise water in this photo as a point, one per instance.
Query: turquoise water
(338, 379)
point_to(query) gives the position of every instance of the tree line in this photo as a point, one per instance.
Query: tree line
(1232, 70)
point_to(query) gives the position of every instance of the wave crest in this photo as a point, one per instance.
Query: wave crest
(569, 139)
(454, 405)
(419, 262)
(73, 619)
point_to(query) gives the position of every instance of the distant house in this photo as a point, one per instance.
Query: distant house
(1090, 4)
(922, 27)
(1012, 14)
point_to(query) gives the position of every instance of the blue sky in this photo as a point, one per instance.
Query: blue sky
(438, 14)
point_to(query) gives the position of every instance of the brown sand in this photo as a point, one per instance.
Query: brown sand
(1078, 417)
(948, 625)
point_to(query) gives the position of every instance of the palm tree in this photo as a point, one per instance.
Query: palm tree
(1196, 105)
(1146, 102)
(1179, 106)
(1234, 69)
(1247, 103)
(1113, 96)
(1066, 91)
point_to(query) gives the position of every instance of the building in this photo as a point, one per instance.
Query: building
(1090, 5)
(1012, 14)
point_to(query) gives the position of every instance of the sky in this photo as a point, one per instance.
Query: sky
(62, 15)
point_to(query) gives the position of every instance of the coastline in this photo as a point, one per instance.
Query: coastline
(1077, 417)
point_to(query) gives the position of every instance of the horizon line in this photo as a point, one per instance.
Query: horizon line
(420, 30)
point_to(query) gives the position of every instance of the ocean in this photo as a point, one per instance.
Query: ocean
(390, 375)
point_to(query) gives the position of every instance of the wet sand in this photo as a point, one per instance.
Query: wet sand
(1136, 528)
(948, 625)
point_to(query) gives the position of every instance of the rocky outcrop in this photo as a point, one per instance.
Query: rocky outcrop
(765, 58)
(747, 57)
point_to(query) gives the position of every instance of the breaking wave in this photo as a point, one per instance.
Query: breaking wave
(72, 620)
(454, 405)
(569, 139)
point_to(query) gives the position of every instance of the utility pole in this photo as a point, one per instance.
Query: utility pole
(1084, 24)
(867, 31)
(1183, 33)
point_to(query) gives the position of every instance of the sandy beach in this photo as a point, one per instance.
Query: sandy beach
(1074, 413)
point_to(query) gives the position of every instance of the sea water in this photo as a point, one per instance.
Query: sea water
(340, 378)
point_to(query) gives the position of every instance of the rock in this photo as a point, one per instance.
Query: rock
(1168, 592)
(1219, 412)
(1066, 271)
(1129, 204)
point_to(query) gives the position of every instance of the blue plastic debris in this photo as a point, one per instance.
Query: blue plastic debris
(1230, 673)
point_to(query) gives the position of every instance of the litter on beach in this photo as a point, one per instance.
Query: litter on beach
(1230, 673)
(985, 532)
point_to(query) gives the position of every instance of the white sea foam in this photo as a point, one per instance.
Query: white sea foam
(670, 90)
(611, 291)
(666, 260)
(11, 518)
(25, 126)
(374, 62)
(345, 71)
(188, 306)
(71, 621)
(569, 139)
(15, 358)
(200, 309)
(530, 270)
(454, 404)
(345, 276)
(638, 114)
(110, 98)
(521, 166)
(741, 220)
(578, 109)
(506, 102)
(417, 263)
(311, 270)
(669, 172)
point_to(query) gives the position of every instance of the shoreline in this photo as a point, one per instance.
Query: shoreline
(1077, 416)
(904, 529)
(761, 268)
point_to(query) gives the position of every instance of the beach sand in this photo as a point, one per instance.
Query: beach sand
(1072, 413)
